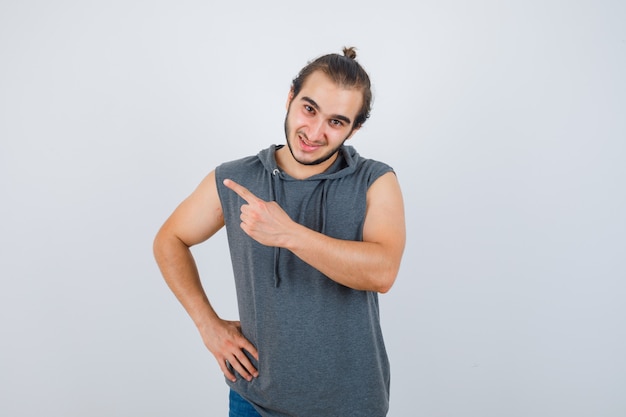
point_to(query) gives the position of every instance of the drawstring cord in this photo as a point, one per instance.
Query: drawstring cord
(273, 189)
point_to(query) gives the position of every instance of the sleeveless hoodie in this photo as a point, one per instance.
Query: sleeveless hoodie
(321, 349)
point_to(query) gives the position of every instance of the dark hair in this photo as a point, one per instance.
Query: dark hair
(346, 72)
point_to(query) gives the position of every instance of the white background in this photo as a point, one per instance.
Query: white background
(505, 121)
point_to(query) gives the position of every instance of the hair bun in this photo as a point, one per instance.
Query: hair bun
(349, 52)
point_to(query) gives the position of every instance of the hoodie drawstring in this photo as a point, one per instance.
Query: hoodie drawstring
(273, 197)
(345, 166)
(324, 205)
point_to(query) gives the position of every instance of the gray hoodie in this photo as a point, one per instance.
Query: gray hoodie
(321, 349)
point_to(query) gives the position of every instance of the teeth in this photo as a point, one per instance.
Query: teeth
(307, 143)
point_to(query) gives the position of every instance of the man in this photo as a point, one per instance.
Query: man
(315, 233)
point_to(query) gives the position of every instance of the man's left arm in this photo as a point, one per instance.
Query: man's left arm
(370, 265)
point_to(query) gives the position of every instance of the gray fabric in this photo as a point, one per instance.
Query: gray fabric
(321, 350)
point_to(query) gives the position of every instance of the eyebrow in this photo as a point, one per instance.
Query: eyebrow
(333, 116)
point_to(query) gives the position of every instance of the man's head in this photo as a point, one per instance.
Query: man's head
(328, 102)
(344, 71)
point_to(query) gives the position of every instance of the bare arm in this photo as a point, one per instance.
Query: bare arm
(195, 220)
(370, 265)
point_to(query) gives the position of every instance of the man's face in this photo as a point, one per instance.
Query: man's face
(320, 119)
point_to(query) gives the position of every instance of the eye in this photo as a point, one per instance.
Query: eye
(336, 123)
(309, 109)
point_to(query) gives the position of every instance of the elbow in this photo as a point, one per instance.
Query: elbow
(387, 270)
(165, 243)
(385, 287)
(159, 249)
(157, 244)
(386, 280)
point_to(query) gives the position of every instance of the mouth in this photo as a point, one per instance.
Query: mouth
(306, 145)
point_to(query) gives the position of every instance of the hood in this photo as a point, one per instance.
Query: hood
(345, 164)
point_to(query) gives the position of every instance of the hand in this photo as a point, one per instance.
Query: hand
(227, 344)
(264, 221)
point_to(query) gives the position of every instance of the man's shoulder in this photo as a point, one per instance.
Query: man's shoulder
(372, 169)
(364, 163)
(367, 163)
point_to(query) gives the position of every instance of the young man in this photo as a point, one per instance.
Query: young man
(315, 233)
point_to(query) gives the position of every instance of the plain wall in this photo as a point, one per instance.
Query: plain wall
(506, 124)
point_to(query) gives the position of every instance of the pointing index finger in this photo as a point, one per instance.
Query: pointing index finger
(241, 191)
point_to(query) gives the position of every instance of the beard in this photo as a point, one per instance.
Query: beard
(317, 161)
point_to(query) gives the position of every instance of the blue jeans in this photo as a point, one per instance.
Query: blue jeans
(239, 407)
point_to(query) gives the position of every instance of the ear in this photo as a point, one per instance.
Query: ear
(289, 98)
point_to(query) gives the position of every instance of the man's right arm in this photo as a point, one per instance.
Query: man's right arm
(195, 220)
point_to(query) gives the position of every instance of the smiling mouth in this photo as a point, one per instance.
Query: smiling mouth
(306, 145)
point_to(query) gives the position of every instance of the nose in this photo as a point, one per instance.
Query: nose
(317, 131)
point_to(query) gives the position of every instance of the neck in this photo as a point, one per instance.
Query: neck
(295, 169)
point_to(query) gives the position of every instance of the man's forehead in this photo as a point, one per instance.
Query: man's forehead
(330, 96)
